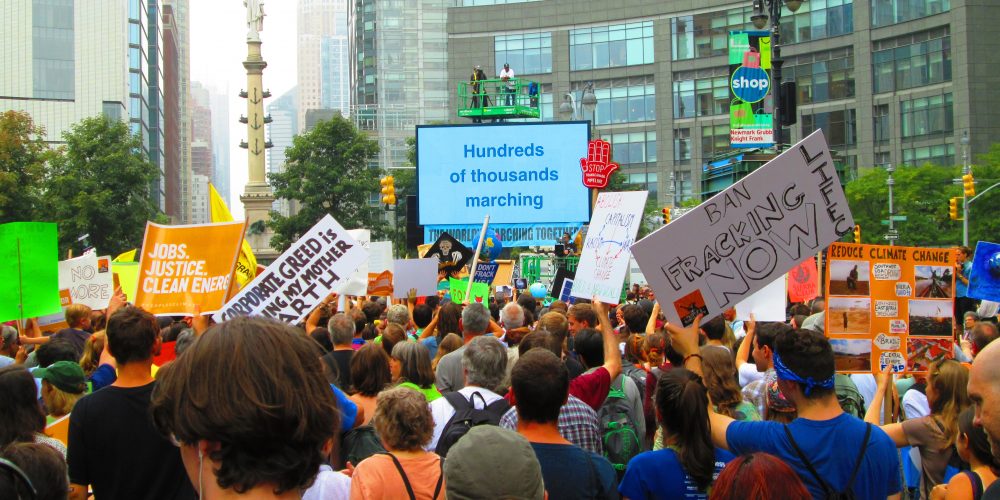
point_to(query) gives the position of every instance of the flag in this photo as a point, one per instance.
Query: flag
(246, 267)
(128, 256)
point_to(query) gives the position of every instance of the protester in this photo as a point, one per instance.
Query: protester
(370, 375)
(973, 447)
(932, 435)
(404, 423)
(688, 463)
(758, 476)
(557, 325)
(475, 321)
(92, 352)
(963, 268)
(262, 434)
(63, 384)
(322, 337)
(78, 319)
(9, 345)
(762, 337)
(392, 334)
(21, 417)
(745, 366)
(410, 367)
(720, 379)
(449, 343)
(981, 335)
(580, 316)
(472, 474)
(32, 471)
(984, 392)
(338, 360)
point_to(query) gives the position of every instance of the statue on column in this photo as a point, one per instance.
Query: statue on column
(255, 18)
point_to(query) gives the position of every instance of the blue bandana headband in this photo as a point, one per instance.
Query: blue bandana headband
(784, 373)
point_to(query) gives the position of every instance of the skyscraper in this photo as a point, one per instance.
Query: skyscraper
(220, 142)
(283, 127)
(322, 57)
(154, 56)
(171, 119)
(201, 148)
(182, 20)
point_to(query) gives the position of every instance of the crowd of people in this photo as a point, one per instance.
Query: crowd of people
(515, 398)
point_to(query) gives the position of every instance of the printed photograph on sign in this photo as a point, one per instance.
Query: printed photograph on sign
(852, 355)
(850, 315)
(690, 306)
(931, 318)
(933, 282)
(922, 353)
(849, 277)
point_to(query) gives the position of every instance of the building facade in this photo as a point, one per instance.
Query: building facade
(171, 120)
(282, 129)
(220, 143)
(888, 81)
(182, 20)
(322, 56)
(202, 154)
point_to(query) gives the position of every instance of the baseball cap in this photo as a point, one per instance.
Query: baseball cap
(472, 472)
(66, 376)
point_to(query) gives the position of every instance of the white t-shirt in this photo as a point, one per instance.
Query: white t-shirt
(329, 484)
(509, 73)
(442, 411)
(748, 373)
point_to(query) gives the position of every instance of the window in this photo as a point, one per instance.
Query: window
(883, 127)
(633, 147)
(886, 12)
(473, 3)
(882, 159)
(611, 46)
(643, 180)
(706, 35)
(631, 103)
(112, 110)
(528, 54)
(682, 145)
(941, 154)
(926, 116)
(714, 140)
(822, 76)
(817, 19)
(53, 64)
(912, 60)
(839, 127)
(702, 96)
(681, 185)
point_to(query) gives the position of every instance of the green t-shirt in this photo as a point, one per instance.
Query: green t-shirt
(431, 393)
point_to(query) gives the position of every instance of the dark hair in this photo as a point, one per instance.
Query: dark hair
(583, 313)
(56, 350)
(799, 310)
(714, 328)
(589, 345)
(767, 331)
(322, 337)
(528, 302)
(720, 379)
(682, 401)
(422, 315)
(979, 445)
(132, 332)
(172, 331)
(542, 339)
(271, 418)
(42, 464)
(559, 307)
(818, 305)
(448, 320)
(541, 385)
(415, 363)
(392, 335)
(758, 476)
(635, 318)
(432, 302)
(798, 319)
(21, 414)
(360, 321)
(370, 370)
(372, 311)
(807, 353)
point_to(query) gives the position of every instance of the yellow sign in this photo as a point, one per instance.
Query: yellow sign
(246, 267)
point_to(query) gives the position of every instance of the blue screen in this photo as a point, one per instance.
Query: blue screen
(525, 173)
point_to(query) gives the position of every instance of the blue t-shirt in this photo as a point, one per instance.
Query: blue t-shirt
(572, 473)
(962, 289)
(659, 474)
(832, 448)
(348, 410)
(432, 345)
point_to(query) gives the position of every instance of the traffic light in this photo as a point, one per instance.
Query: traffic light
(857, 233)
(666, 216)
(388, 190)
(953, 208)
(969, 184)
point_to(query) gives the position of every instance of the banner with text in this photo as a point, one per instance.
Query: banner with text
(605, 257)
(889, 306)
(380, 268)
(87, 280)
(751, 122)
(512, 235)
(745, 237)
(480, 291)
(318, 263)
(357, 284)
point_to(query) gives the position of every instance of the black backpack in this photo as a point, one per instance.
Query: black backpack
(360, 443)
(468, 416)
(828, 491)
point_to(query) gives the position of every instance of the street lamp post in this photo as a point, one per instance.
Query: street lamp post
(761, 10)
(965, 199)
(572, 109)
(892, 228)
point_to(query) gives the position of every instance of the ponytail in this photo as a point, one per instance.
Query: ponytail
(682, 400)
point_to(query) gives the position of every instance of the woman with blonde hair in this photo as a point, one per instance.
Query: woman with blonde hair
(63, 384)
(92, 350)
(449, 343)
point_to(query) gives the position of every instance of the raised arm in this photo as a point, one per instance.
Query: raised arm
(651, 324)
(743, 353)
(894, 430)
(612, 355)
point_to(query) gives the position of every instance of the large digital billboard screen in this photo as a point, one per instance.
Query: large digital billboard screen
(517, 173)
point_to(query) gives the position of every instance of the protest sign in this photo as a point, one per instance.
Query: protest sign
(88, 280)
(566, 292)
(451, 253)
(246, 266)
(380, 268)
(605, 257)
(984, 279)
(480, 291)
(29, 256)
(357, 284)
(319, 263)
(766, 304)
(126, 276)
(183, 267)
(889, 306)
(562, 274)
(486, 272)
(745, 237)
(419, 274)
(803, 282)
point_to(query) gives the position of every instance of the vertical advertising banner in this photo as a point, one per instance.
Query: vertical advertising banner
(751, 122)
(889, 306)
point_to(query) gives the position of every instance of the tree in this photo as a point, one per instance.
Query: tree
(327, 171)
(100, 185)
(23, 154)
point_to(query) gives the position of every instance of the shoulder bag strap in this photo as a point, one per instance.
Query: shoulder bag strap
(406, 480)
(861, 458)
(437, 489)
(826, 487)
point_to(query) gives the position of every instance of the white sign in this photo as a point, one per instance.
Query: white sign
(419, 274)
(380, 268)
(766, 304)
(745, 237)
(318, 263)
(605, 257)
(88, 279)
(357, 284)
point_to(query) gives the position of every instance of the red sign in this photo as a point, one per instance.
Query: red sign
(803, 282)
(597, 166)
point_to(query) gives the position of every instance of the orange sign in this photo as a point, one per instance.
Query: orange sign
(803, 284)
(889, 306)
(380, 284)
(186, 266)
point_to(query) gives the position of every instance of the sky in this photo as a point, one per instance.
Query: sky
(842, 346)
(218, 48)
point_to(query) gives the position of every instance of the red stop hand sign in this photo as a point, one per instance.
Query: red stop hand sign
(597, 166)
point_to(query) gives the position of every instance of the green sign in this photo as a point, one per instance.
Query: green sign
(480, 291)
(29, 264)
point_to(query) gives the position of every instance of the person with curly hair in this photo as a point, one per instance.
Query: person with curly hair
(723, 387)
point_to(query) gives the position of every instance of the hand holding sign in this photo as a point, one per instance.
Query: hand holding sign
(597, 166)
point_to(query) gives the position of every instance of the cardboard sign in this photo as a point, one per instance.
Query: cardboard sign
(29, 256)
(766, 304)
(380, 268)
(181, 267)
(486, 272)
(605, 258)
(889, 306)
(803, 282)
(419, 274)
(480, 291)
(451, 254)
(318, 263)
(88, 280)
(745, 237)
(984, 279)
(357, 284)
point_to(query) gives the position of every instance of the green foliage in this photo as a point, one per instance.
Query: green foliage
(23, 154)
(327, 171)
(100, 184)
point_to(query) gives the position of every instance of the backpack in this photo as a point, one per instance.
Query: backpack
(638, 375)
(619, 436)
(359, 444)
(468, 416)
(851, 401)
(829, 493)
